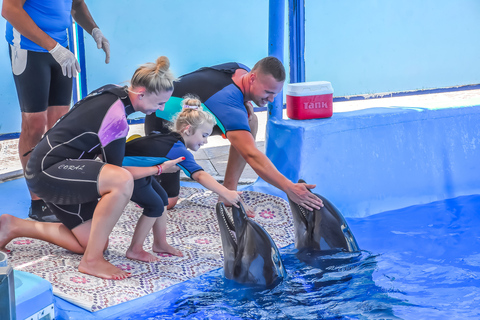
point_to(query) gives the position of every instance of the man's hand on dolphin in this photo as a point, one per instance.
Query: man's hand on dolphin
(300, 194)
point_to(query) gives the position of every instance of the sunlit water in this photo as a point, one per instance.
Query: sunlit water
(421, 262)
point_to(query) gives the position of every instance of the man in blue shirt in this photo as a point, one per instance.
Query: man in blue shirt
(227, 91)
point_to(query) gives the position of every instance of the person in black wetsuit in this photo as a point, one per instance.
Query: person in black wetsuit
(227, 91)
(76, 169)
(191, 129)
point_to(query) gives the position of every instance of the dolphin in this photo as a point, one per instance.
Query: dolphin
(322, 230)
(250, 255)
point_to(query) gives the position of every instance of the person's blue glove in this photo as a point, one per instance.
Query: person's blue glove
(102, 43)
(66, 59)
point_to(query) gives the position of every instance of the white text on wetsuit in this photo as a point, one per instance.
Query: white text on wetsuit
(71, 167)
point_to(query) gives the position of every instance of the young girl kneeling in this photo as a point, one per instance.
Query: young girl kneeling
(191, 129)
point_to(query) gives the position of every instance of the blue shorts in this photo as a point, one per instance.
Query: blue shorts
(149, 195)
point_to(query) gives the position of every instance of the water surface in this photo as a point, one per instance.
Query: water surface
(420, 262)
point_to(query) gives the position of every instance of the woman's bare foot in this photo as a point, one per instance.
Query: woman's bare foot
(102, 268)
(141, 255)
(6, 231)
(166, 248)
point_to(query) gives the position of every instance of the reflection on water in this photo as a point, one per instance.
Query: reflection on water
(423, 262)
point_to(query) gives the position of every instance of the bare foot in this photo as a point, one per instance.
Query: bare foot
(6, 231)
(166, 248)
(102, 268)
(141, 255)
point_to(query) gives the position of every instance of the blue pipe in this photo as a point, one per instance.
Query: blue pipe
(296, 15)
(81, 58)
(79, 43)
(71, 46)
(276, 27)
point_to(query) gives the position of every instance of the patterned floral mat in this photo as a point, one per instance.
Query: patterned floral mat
(9, 161)
(192, 228)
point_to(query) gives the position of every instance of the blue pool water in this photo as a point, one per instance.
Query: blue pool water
(420, 262)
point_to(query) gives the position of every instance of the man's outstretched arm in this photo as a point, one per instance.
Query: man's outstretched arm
(244, 143)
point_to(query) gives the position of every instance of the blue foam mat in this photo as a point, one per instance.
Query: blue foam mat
(32, 294)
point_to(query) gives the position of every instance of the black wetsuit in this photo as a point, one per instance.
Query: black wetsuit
(64, 167)
(152, 150)
(218, 93)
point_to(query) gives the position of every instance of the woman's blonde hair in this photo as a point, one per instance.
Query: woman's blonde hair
(192, 114)
(155, 77)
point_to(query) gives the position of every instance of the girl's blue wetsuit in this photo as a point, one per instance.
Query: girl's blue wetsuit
(152, 150)
(64, 167)
(219, 95)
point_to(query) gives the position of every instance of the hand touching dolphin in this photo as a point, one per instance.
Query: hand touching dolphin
(323, 229)
(250, 254)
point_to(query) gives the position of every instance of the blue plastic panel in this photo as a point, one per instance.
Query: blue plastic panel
(32, 294)
(379, 159)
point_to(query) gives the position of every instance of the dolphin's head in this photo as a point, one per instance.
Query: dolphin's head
(250, 254)
(323, 229)
(304, 222)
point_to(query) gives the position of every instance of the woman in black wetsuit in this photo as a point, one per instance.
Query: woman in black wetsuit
(87, 195)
